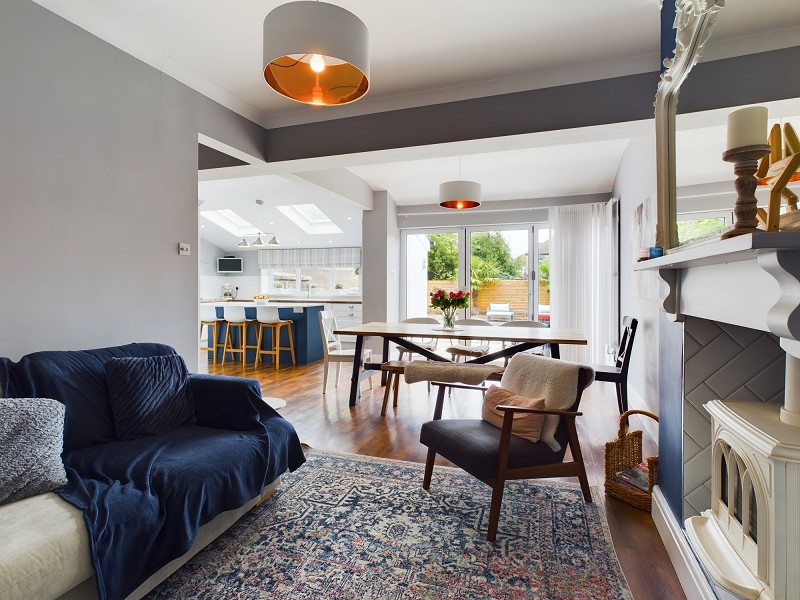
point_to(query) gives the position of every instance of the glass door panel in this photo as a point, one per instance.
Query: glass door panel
(499, 275)
(542, 282)
(431, 262)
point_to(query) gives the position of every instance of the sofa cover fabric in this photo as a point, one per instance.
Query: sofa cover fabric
(144, 500)
(149, 395)
(77, 379)
(31, 440)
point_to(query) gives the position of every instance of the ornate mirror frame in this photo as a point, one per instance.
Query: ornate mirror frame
(693, 21)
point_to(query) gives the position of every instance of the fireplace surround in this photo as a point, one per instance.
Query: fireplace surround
(748, 538)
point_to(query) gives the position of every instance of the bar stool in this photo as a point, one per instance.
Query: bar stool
(267, 317)
(208, 316)
(235, 319)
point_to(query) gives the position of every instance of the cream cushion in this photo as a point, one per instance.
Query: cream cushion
(44, 550)
(554, 380)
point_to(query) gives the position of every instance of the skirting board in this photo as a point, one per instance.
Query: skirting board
(693, 580)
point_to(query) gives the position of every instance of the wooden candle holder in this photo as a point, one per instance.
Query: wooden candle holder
(745, 160)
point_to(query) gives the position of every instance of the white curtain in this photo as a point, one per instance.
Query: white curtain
(583, 277)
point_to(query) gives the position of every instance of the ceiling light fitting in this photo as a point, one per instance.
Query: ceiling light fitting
(459, 195)
(316, 53)
(258, 242)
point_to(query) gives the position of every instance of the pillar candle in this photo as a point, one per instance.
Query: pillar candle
(747, 127)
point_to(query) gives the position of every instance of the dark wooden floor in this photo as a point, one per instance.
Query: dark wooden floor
(327, 422)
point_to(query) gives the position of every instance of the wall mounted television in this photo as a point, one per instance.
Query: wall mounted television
(230, 264)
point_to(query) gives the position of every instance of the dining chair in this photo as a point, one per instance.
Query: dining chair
(426, 343)
(458, 351)
(332, 351)
(544, 350)
(493, 449)
(618, 373)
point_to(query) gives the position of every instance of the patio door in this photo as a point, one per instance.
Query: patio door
(504, 272)
(500, 265)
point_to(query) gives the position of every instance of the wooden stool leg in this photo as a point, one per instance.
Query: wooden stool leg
(386, 393)
(291, 342)
(396, 387)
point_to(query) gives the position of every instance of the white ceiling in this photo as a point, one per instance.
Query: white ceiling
(423, 52)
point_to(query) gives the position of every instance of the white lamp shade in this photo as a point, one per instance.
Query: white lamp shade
(243, 244)
(296, 32)
(274, 241)
(460, 194)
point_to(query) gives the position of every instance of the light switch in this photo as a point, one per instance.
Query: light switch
(184, 248)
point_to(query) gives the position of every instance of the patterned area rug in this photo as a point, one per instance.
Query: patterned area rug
(348, 526)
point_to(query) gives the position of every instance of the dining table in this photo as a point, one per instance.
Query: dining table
(409, 335)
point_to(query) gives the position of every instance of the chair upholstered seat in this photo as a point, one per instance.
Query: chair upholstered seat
(474, 444)
(472, 351)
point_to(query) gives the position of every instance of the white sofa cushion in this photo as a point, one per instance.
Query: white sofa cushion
(44, 550)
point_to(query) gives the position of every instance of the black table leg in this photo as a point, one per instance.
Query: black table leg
(384, 374)
(554, 351)
(356, 369)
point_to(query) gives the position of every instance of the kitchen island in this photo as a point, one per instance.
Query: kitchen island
(305, 329)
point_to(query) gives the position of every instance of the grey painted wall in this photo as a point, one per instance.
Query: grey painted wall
(209, 253)
(98, 184)
(635, 183)
(381, 257)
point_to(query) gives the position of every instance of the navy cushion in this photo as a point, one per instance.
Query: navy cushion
(148, 396)
(77, 379)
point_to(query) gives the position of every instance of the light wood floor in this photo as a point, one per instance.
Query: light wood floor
(327, 422)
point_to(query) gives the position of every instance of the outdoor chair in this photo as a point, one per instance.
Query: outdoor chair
(500, 311)
(618, 373)
(547, 392)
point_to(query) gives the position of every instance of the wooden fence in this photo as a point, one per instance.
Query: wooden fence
(513, 292)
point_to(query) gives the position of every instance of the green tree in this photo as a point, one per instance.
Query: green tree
(544, 273)
(492, 249)
(442, 256)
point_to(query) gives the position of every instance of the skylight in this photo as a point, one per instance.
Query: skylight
(230, 222)
(309, 218)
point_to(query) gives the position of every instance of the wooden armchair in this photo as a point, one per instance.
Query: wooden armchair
(493, 454)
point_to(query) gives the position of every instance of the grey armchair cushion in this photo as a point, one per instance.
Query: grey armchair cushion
(473, 444)
(31, 441)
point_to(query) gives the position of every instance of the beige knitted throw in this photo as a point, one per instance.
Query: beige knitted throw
(448, 372)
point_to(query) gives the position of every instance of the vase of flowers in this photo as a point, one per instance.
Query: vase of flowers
(449, 303)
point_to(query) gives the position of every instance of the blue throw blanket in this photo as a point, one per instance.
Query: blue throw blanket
(145, 499)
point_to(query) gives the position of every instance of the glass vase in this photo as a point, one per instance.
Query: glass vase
(448, 319)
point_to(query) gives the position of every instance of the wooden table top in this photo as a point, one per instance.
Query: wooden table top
(543, 335)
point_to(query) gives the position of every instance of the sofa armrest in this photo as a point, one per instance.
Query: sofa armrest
(226, 402)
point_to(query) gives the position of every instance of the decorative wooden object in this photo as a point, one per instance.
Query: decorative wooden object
(745, 160)
(778, 169)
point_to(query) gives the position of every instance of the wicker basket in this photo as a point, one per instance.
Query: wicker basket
(625, 452)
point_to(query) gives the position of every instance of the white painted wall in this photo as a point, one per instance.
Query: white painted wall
(634, 184)
(98, 184)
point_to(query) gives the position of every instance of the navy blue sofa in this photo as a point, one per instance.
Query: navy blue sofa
(144, 500)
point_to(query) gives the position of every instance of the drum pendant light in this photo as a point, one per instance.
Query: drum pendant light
(316, 53)
(459, 195)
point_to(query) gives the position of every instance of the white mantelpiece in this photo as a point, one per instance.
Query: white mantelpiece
(752, 280)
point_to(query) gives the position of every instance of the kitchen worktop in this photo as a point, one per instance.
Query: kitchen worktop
(275, 300)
